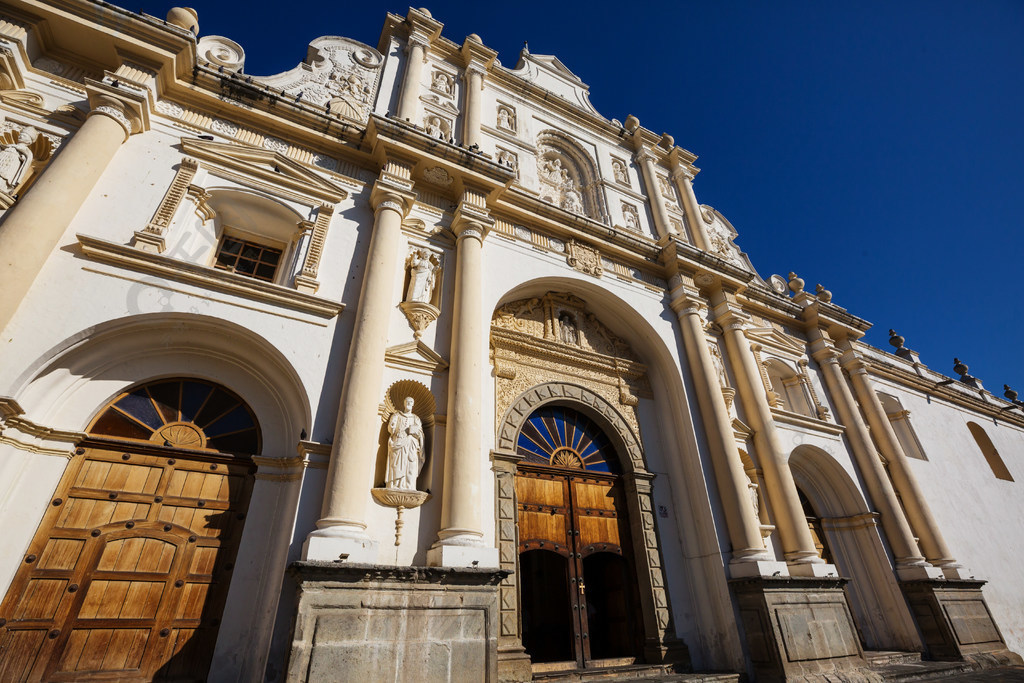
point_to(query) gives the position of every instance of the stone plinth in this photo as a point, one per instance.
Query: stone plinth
(799, 629)
(956, 623)
(364, 622)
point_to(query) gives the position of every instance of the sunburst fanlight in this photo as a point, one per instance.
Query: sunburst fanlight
(563, 437)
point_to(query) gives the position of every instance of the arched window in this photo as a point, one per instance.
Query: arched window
(900, 420)
(817, 531)
(788, 385)
(989, 451)
(561, 437)
(183, 413)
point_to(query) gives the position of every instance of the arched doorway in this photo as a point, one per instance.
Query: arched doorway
(127, 574)
(578, 588)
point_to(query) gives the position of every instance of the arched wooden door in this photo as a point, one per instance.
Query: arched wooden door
(578, 599)
(125, 579)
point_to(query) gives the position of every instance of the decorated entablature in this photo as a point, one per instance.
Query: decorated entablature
(555, 337)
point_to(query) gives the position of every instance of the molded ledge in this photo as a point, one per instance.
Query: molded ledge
(140, 261)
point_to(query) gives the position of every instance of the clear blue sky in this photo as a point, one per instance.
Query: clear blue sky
(873, 146)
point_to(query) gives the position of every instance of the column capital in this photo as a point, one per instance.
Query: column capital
(423, 28)
(386, 196)
(853, 363)
(643, 155)
(471, 220)
(477, 56)
(128, 106)
(684, 172)
(730, 318)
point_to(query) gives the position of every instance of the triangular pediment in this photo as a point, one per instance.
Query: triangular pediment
(415, 355)
(771, 338)
(548, 72)
(266, 165)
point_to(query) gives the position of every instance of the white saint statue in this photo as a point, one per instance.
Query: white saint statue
(422, 275)
(405, 449)
(16, 159)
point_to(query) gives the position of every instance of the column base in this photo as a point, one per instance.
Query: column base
(514, 665)
(371, 623)
(913, 572)
(818, 570)
(340, 544)
(477, 556)
(799, 629)
(739, 569)
(956, 622)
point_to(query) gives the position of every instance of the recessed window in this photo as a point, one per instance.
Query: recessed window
(247, 258)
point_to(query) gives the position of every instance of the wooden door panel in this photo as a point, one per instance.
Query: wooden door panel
(134, 559)
(540, 491)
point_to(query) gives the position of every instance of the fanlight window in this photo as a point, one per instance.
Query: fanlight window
(562, 437)
(182, 413)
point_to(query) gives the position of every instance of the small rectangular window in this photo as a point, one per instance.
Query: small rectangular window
(248, 258)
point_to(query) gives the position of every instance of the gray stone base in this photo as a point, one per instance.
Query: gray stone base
(956, 623)
(372, 623)
(800, 629)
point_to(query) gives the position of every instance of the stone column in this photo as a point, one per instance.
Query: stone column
(683, 177)
(33, 227)
(797, 544)
(645, 158)
(749, 554)
(460, 540)
(918, 512)
(478, 60)
(423, 29)
(341, 530)
(910, 564)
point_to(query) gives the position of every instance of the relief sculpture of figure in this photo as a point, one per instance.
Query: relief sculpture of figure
(405, 448)
(422, 276)
(16, 159)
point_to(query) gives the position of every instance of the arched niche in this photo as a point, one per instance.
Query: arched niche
(854, 536)
(568, 176)
(70, 382)
(424, 407)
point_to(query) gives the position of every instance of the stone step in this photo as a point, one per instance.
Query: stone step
(636, 673)
(878, 658)
(922, 671)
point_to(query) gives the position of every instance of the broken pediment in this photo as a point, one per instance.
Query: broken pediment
(415, 355)
(548, 72)
(265, 164)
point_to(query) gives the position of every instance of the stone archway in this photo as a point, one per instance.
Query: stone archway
(658, 634)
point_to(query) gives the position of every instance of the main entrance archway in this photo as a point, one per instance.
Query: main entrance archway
(127, 575)
(578, 588)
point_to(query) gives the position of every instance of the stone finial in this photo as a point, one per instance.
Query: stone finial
(960, 368)
(475, 38)
(184, 17)
(667, 141)
(896, 340)
(902, 351)
(822, 293)
(632, 123)
(1009, 393)
(425, 12)
(795, 283)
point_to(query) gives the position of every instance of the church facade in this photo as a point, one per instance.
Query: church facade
(404, 364)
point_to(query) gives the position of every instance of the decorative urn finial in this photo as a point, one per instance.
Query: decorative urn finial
(1009, 393)
(960, 368)
(795, 283)
(896, 340)
(184, 17)
(822, 293)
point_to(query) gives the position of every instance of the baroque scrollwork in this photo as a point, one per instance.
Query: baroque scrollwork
(584, 258)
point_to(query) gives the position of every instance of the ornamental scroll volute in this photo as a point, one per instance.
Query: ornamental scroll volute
(555, 337)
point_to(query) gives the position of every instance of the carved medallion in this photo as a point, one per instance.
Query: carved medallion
(584, 258)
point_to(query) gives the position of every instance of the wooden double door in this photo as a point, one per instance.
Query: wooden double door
(578, 593)
(127, 575)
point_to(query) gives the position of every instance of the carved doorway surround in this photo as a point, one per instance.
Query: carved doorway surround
(127, 575)
(551, 351)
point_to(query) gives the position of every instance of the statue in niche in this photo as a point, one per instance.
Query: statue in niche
(631, 217)
(422, 276)
(405, 448)
(716, 360)
(555, 173)
(434, 129)
(752, 493)
(569, 332)
(16, 160)
(619, 171)
(506, 120)
(441, 83)
(572, 201)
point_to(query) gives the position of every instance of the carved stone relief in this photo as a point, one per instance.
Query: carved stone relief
(631, 216)
(584, 258)
(507, 158)
(443, 83)
(23, 152)
(438, 127)
(338, 73)
(506, 119)
(620, 172)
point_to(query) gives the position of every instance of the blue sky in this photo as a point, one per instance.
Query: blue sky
(875, 147)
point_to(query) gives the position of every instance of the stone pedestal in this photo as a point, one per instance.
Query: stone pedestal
(956, 623)
(362, 622)
(799, 629)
